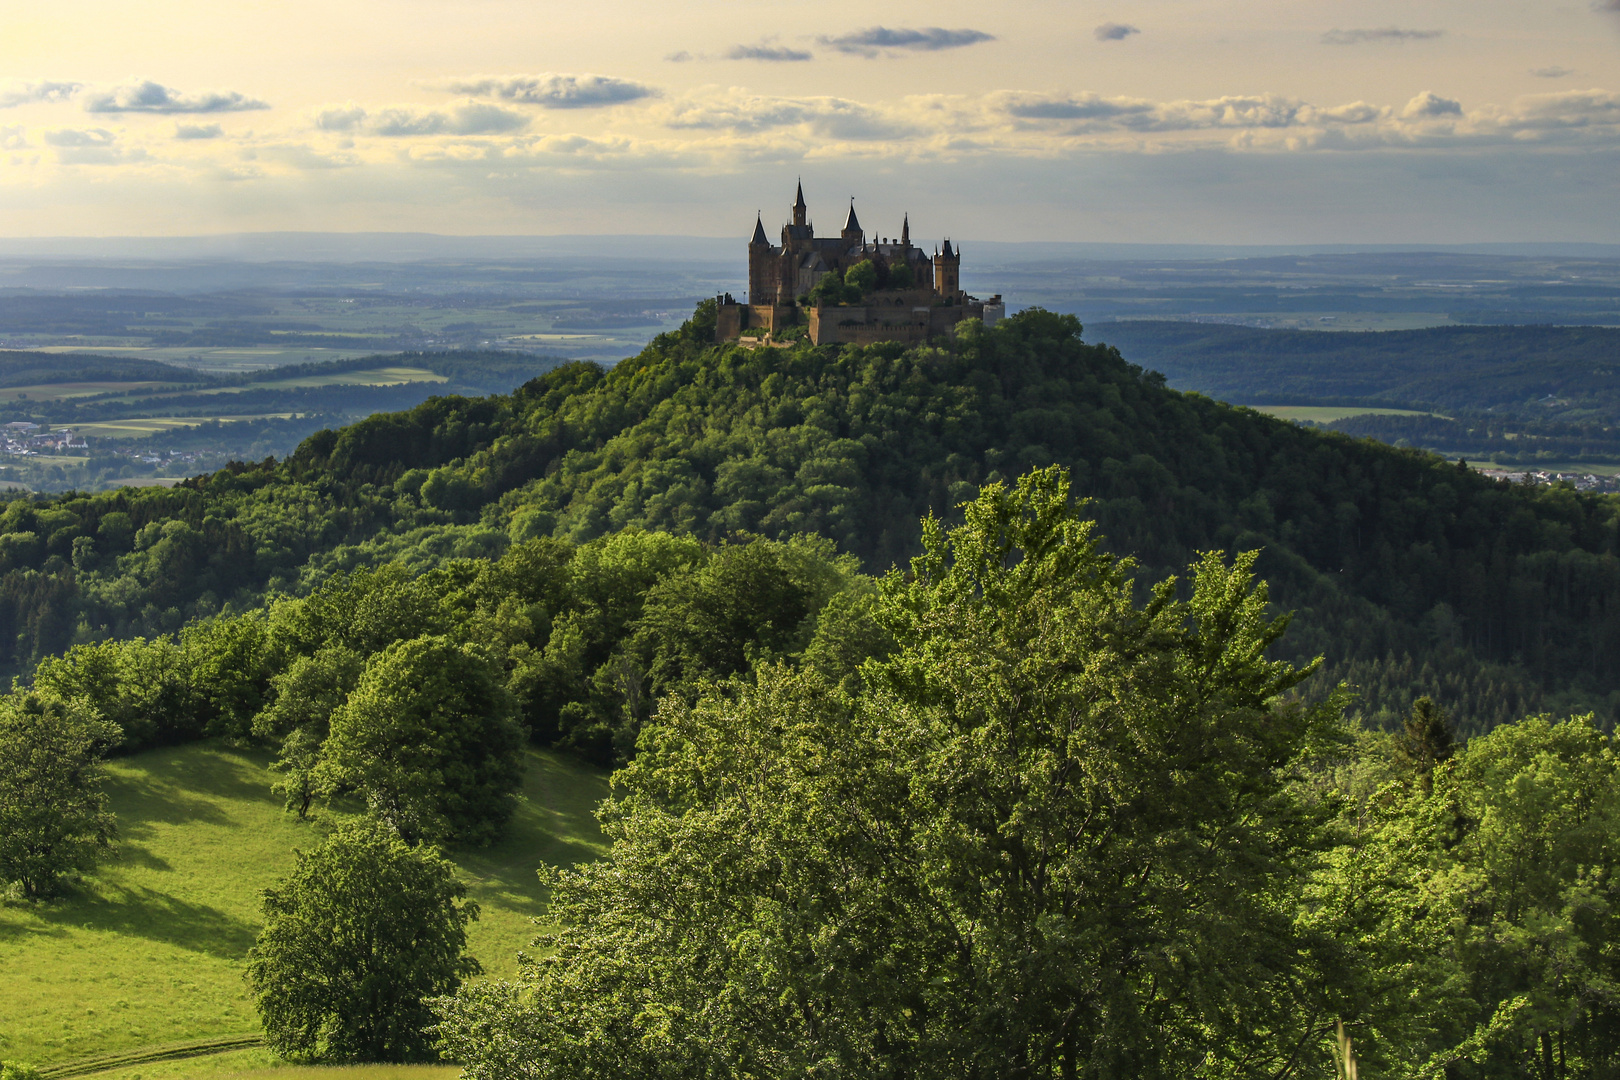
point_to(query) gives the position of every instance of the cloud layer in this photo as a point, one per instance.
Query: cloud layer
(1383, 33)
(775, 53)
(151, 97)
(1113, 31)
(17, 92)
(473, 118)
(878, 40)
(553, 90)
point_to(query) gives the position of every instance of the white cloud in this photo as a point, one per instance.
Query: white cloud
(17, 92)
(1092, 112)
(1383, 33)
(827, 117)
(1113, 31)
(93, 146)
(775, 53)
(472, 118)
(1429, 104)
(198, 131)
(13, 138)
(882, 40)
(151, 97)
(552, 90)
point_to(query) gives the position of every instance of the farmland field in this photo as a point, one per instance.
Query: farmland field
(59, 391)
(136, 427)
(1326, 414)
(151, 951)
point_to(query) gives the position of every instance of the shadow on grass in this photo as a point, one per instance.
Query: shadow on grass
(177, 788)
(156, 916)
(554, 825)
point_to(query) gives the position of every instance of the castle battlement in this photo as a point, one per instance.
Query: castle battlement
(904, 293)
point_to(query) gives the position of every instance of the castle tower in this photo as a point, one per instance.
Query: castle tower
(762, 273)
(852, 234)
(905, 232)
(798, 206)
(947, 271)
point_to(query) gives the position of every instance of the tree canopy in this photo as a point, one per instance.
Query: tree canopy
(1051, 834)
(356, 939)
(53, 813)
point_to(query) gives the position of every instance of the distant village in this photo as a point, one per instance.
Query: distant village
(38, 443)
(23, 437)
(1580, 481)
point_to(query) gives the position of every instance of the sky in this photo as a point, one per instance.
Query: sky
(1155, 121)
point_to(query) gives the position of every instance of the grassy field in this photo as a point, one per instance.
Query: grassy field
(383, 376)
(221, 359)
(261, 1064)
(136, 427)
(60, 391)
(1326, 414)
(151, 950)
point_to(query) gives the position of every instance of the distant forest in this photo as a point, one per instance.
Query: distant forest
(1526, 373)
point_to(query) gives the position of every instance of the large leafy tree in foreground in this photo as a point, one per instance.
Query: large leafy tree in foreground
(364, 929)
(1052, 834)
(427, 737)
(53, 813)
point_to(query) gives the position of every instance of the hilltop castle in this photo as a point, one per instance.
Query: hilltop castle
(907, 296)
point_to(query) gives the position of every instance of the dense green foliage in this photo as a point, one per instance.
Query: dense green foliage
(426, 737)
(1410, 575)
(414, 690)
(1059, 833)
(363, 930)
(972, 866)
(53, 813)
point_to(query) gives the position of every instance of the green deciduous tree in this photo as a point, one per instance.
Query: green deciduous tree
(861, 277)
(364, 929)
(306, 694)
(1053, 834)
(53, 814)
(427, 737)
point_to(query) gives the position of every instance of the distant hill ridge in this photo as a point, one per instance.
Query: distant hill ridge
(1504, 369)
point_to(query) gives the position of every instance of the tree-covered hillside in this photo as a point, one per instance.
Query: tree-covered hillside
(1410, 574)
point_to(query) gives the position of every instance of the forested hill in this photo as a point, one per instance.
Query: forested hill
(1410, 574)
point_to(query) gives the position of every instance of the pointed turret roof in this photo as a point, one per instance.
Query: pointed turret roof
(905, 230)
(947, 251)
(798, 203)
(759, 232)
(852, 224)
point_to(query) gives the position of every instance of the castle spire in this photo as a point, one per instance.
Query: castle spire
(852, 224)
(799, 206)
(905, 232)
(760, 239)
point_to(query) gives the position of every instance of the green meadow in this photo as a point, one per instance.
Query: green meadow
(136, 427)
(1326, 414)
(151, 950)
(261, 1064)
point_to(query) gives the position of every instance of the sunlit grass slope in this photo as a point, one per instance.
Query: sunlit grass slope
(260, 1064)
(152, 950)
